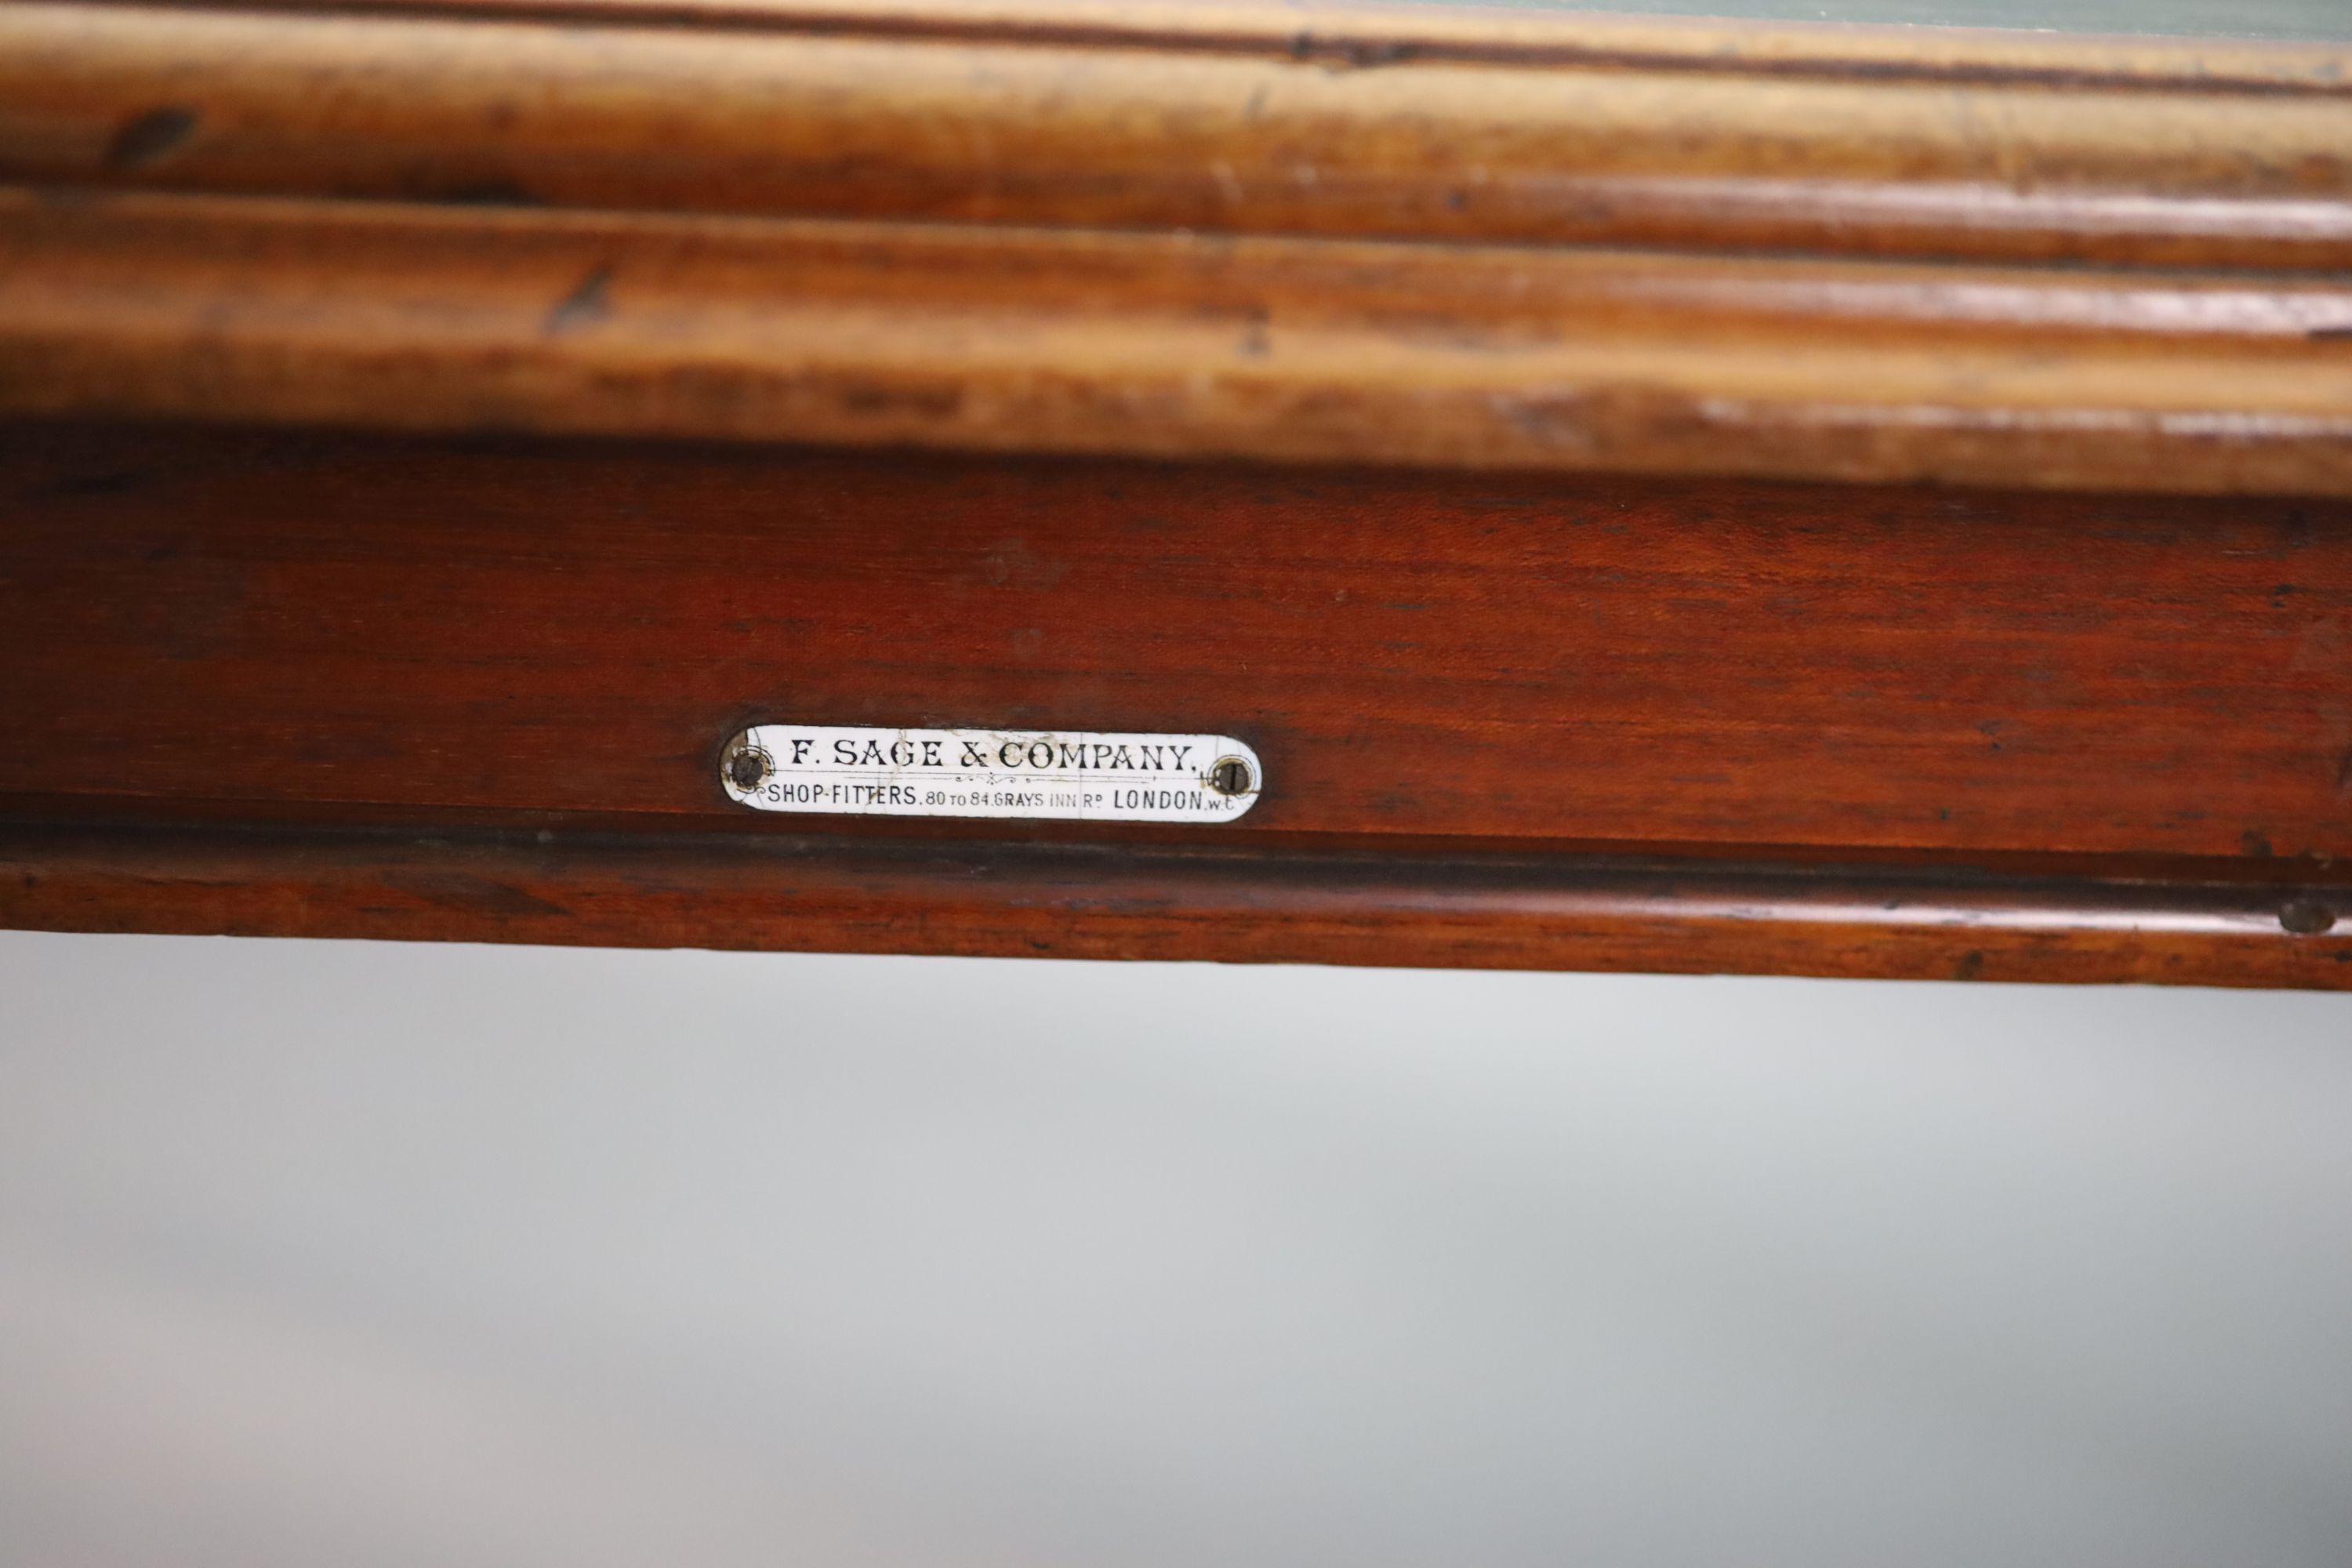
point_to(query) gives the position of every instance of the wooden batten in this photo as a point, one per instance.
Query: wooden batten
(1364, 33)
(1052, 228)
(837, 123)
(1276, 348)
(1024, 900)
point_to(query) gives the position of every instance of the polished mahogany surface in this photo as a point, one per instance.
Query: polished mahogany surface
(1896, 714)
(544, 627)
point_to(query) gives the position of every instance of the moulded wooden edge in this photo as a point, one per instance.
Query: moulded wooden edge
(374, 315)
(1125, 903)
(1366, 33)
(846, 121)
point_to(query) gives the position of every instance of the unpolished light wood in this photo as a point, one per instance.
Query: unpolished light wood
(2136, 161)
(372, 628)
(1356, 35)
(1173, 345)
(1229, 231)
(1262, 906)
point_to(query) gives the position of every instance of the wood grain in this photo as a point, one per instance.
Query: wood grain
(1252, 906)
(453, 108)
(1659, 494)
(1369, 34)
(1223, 231)
(1171, 345)
(374, 625)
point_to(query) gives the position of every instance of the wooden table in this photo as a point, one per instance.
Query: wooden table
(1655, 494)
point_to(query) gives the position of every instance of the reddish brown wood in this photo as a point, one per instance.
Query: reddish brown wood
(1236, 905)
(501, 627)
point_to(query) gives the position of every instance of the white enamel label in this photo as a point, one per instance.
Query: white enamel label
(1067, 775)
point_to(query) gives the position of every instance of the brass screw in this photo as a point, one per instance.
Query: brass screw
(1230, 776)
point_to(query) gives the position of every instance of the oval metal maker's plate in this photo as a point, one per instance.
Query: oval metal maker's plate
(1061, 775)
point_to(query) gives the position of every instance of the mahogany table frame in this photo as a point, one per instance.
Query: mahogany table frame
(1658, 494)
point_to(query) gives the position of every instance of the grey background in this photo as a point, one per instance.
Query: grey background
(367, 1254)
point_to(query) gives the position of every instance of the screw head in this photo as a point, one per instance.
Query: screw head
(1230, 775)
(2306, 917)
(748, 767)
